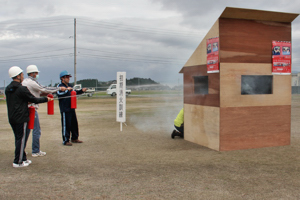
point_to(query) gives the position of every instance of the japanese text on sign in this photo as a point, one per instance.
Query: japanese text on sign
(121, 96)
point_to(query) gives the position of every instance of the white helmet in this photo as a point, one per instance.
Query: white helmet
(14, 71)
(31, 69)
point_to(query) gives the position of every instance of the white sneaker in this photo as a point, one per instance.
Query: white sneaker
(39, 154)
(28, 161)
(24, 164)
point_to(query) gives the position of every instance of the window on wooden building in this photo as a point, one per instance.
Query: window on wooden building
(257, 84)
(200, 84)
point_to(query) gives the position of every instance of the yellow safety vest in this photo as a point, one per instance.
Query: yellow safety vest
(179, 119)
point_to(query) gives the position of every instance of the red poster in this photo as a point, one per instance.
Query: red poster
(281, 57)
(212, 59)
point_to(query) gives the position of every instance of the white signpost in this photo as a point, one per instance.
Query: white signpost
(121, 98)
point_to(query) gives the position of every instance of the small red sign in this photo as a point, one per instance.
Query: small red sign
(212, 59)
(281, 57)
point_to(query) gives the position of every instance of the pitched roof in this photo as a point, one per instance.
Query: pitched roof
(251, 14)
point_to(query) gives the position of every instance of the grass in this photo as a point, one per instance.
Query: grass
(141, 92)
(149, 92)
(142, 161)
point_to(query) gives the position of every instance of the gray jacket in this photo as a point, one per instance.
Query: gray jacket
(36, 89)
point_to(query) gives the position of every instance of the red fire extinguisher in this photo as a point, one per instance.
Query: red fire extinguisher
(73, 100)
(31, 117)
(50, 105)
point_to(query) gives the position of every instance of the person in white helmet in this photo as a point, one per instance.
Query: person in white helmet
(37, 89)
(17, 99)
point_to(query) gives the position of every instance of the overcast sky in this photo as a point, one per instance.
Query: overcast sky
(146, 38)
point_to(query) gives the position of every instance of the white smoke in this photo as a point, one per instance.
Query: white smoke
(159, 116)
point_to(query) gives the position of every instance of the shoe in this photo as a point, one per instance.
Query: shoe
(76, 141)
(68, 144)
(24, 164)
(174, 133)
(28, 161)
(41, 153)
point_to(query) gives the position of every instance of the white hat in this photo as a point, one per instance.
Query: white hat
(31, 69)
(14, 71)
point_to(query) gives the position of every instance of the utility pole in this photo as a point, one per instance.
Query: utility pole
(96, 84)
(74, 51)
(4, 90)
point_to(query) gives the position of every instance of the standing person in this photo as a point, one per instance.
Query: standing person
(37, 89)
(17, 99)
(68, 115)
(179, 125)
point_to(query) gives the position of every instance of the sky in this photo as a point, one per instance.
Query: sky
(145, 38)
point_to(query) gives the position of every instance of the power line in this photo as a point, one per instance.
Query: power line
(28, 22)
(17, 25)
(107, 54)
(36, 58)
(129, 54)
(110, 57)
(35, 53)
(36, 27)
(132, 28)
(117, 57)
(120, 58)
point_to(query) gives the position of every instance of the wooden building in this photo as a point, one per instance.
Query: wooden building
(221, 117)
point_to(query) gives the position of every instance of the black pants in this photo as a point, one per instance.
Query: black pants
(180, 129)
(21, 136)
(69, 125)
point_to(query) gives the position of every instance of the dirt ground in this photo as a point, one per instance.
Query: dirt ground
(142, 161)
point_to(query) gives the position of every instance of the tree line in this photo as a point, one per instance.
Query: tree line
(103, 85)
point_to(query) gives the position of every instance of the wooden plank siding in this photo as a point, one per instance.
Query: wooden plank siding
(201, 125)
(230, 86)
(249, 41)
(213, 96)
(254, 127)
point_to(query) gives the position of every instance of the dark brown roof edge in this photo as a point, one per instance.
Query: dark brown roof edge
(262, 15)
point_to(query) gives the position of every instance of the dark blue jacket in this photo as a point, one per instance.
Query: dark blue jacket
(64, 98)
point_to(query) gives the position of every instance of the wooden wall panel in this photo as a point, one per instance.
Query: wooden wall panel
(213, 96)
(201, 125)
(230, 86)
(199, 55)
(249, 41)
(254, 127)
